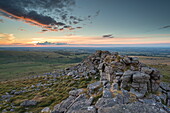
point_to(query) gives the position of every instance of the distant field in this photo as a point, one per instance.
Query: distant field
(154, 60)
(17, 64)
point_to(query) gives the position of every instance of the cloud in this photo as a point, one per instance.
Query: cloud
(52, 15)
(21, 29)
(70, 34)
(160, 28)
(6, 38)
(43, 31)
(164, 27)
(97, 13)
(45, 43)
(1, 21)
(108, 36)
(67, 26)
(79, 27)
(61, 44)
(50, 43)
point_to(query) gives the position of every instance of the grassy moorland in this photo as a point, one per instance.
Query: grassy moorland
(17, 64)
(49, 93)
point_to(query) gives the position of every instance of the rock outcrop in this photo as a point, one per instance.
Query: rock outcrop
(125, 72)
(126, 86)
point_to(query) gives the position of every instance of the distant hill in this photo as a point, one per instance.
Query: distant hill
(16, 64)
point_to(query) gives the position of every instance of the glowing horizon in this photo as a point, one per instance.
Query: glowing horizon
(88, 23)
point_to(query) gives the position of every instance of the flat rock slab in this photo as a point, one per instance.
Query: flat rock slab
(131, 108)
(107, 94)
(29, 103)
(94, 85)
(105, 102)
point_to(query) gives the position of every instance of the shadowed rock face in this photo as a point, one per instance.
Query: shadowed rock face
(126, 85)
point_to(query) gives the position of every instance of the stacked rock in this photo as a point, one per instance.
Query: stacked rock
(125, 72)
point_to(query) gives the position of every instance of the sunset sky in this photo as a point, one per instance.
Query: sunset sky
(84, 23)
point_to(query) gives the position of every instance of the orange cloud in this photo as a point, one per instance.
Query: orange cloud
(6, 38)
(27, 20)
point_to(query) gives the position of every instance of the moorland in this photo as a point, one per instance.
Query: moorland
(19, 63)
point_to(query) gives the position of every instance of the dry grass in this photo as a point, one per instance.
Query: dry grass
(154, 60)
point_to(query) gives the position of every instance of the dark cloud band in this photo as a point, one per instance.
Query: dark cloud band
(165, 27)
(50, 43)
(52, 15)
(108, 36)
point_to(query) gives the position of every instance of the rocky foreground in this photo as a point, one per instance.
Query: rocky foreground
(126, 86)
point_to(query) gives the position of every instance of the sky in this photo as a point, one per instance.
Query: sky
(84, 23)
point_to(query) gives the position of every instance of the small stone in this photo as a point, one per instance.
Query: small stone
(6, 96)
(32, 86)
(70, 74)
(4, 110)
(135, 60)
(29, 103)
(92, 72)
(119, 73)
(18, 92)
(94, 85)
(76, 92)
(107, 94)
(127, 60)
(141, 77)
(105, 102)
(147, 70)
(115, 86)
(138, 94)
(12, 110)
(46, 110)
